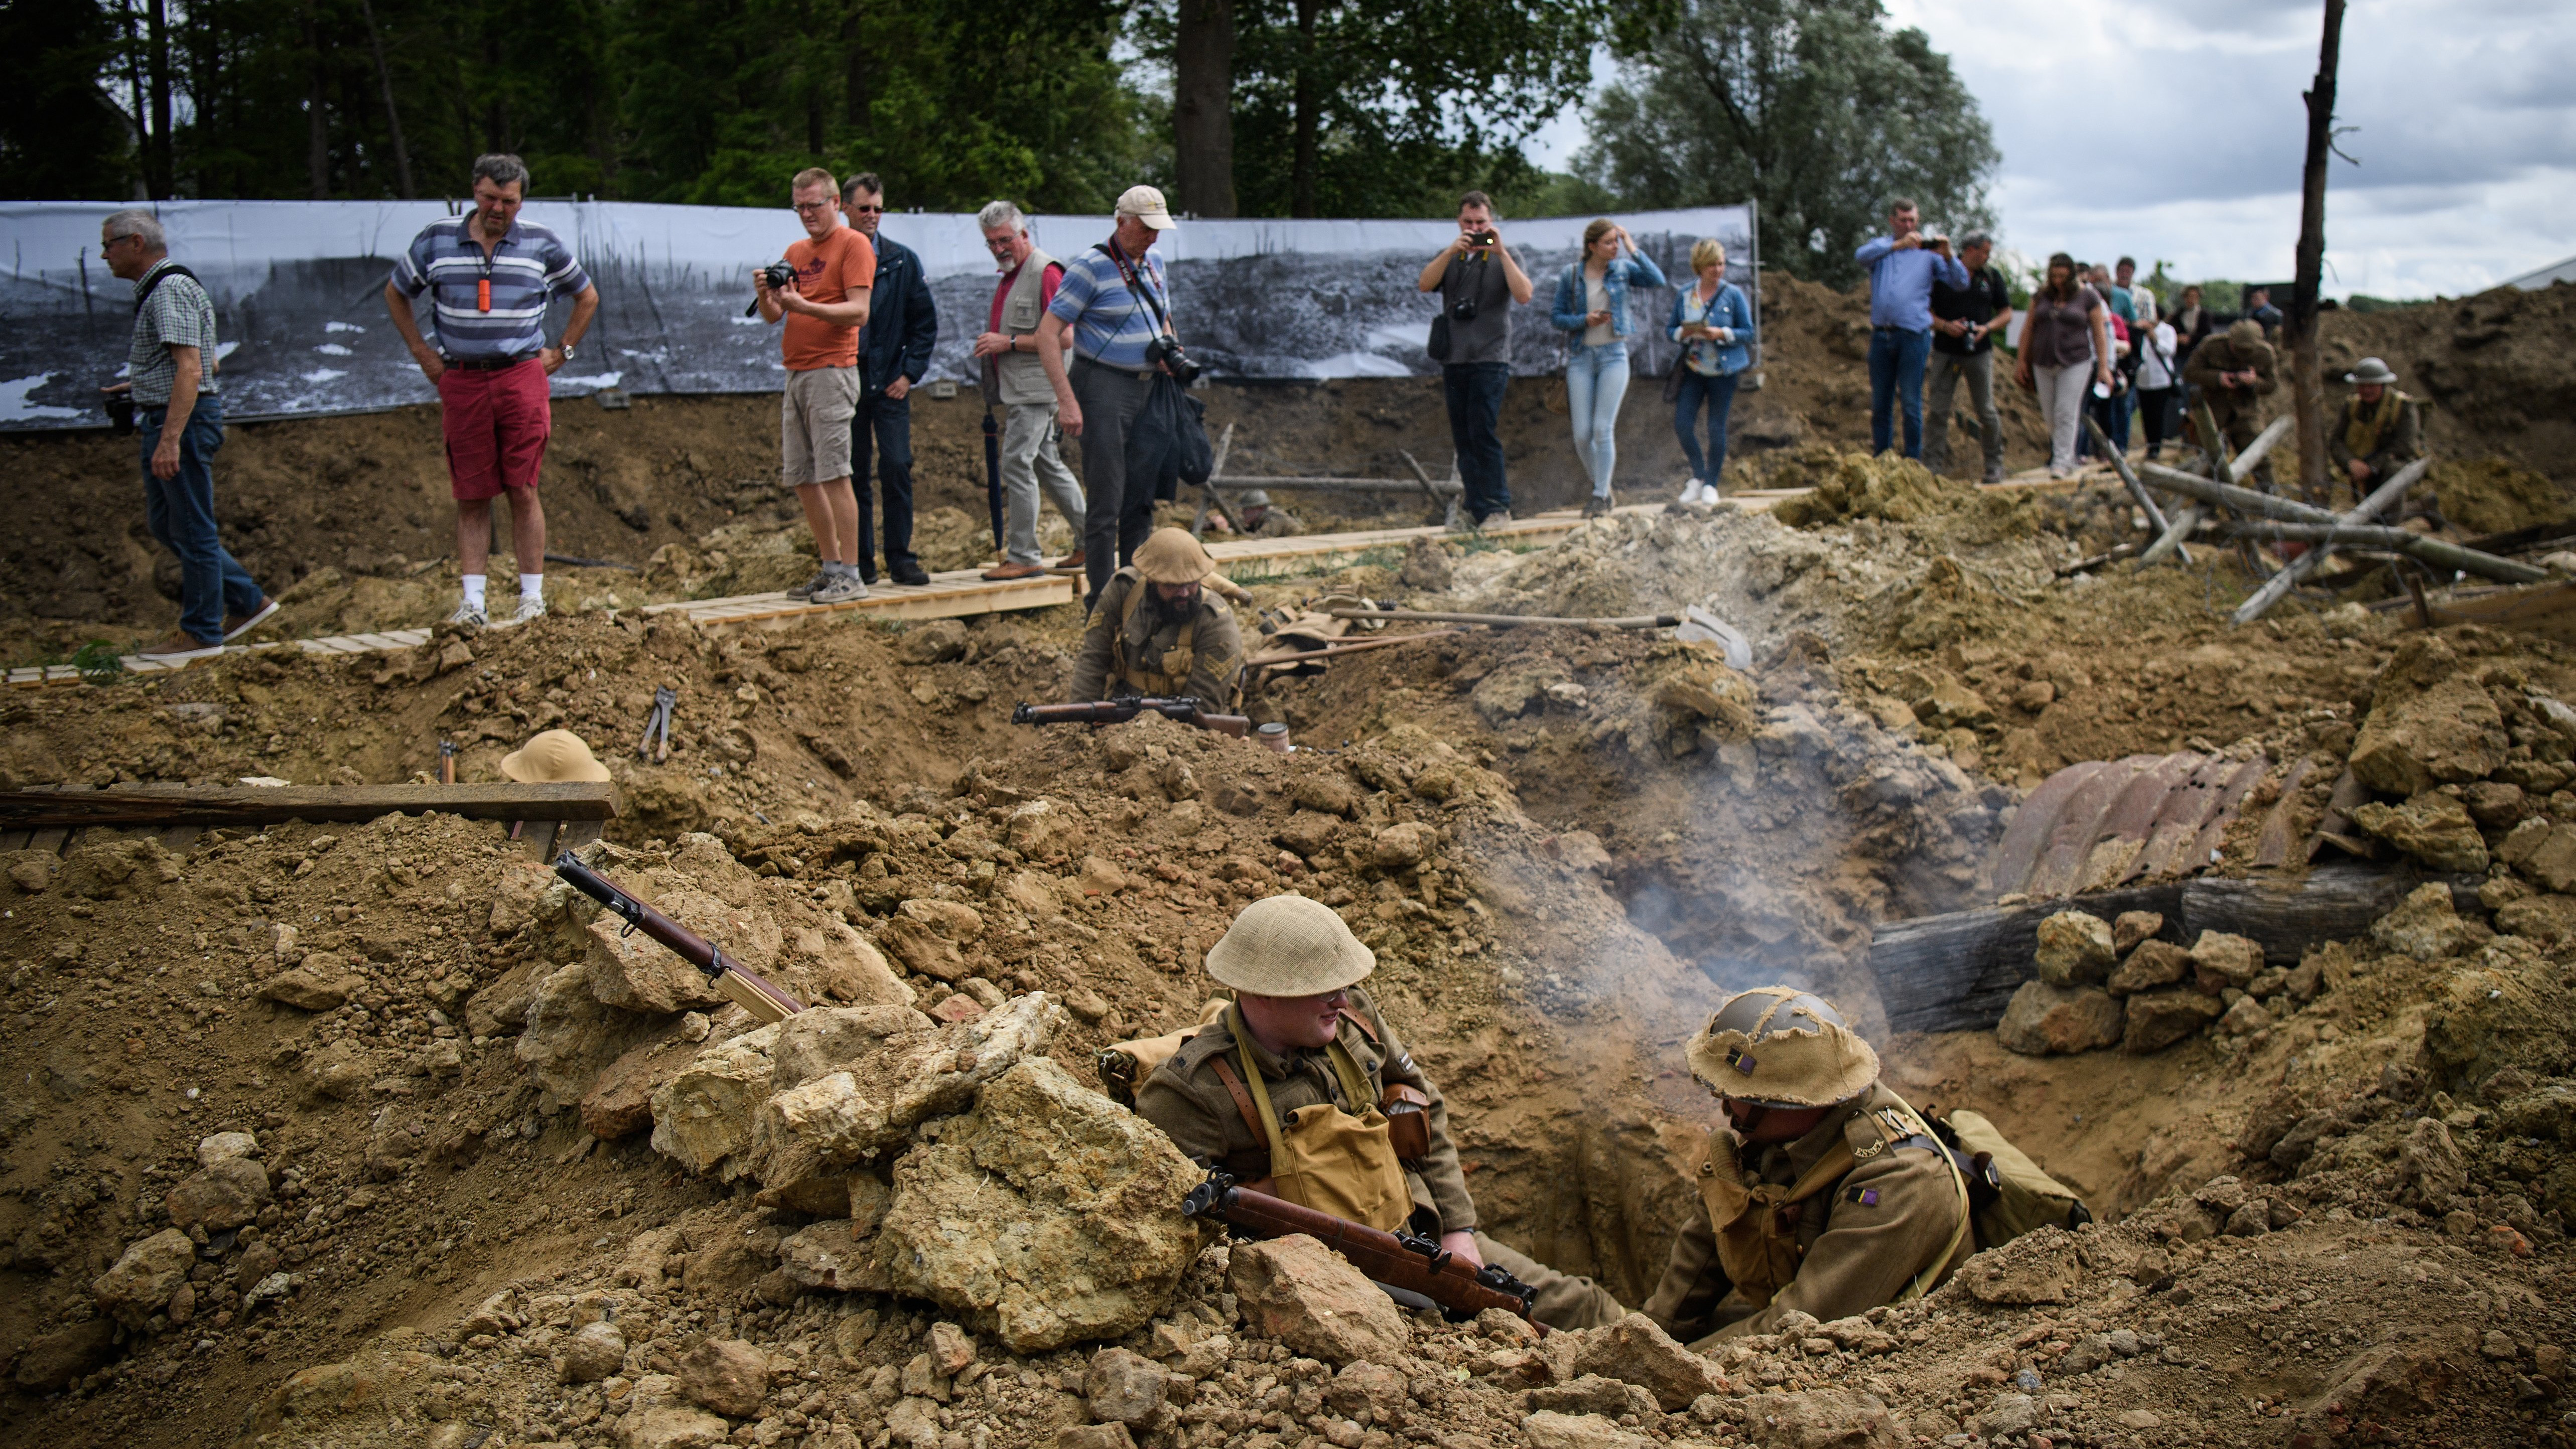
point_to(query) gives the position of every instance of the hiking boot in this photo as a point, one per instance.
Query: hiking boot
(181, 647)
(838, 589)
(470, 616)
(806, 589)
(236, 626)
(1598, 506)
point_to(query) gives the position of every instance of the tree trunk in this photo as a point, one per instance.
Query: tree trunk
(159, 161)
(317, 114)
(393, 113)
(854, 62)
(1203, 106)
(1307, 161)
(2307, 385)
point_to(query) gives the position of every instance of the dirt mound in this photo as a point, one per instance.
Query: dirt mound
(2490, 495)
(1845, 486)
(2495, 368)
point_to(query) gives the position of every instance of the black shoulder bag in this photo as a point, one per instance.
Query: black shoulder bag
(1168, 442)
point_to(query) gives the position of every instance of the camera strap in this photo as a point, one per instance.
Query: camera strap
(1136, 278)
(143, 293)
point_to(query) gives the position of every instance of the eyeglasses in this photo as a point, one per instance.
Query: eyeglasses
(811, 208)
(999, 243)
(870, 210)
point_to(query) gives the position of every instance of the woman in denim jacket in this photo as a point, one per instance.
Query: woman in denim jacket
(1592, 304)
(1714, 324)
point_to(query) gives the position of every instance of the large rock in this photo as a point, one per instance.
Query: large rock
(1302, 1293)
(831, 1254)
(1046, 1215)
(570, 1036)
(2221, 960)
(822, 1040)
(2544, 852)
(590, 1355)
(706, 1116)
(726, 1375)
(638, 973)
(921, 948)
(2429, 723)
(1548, 1429)
(2549, 919)
(2037, 1267)
(836, 963)
(2044, 1020)
(671, 1426)
(320, 984)
(226, 1195)
(2158, 1019)
(1123, 1386)
(56, 1360)
(2428, 927)
(2432, 828)
(845, 1116)
(2074, 949)
(2150, 964)
(1634, 1350)
(145, 1277)
(1820, 1419)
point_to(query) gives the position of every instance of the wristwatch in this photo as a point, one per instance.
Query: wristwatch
(566, 349)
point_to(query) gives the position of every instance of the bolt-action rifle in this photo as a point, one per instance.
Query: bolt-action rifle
(1119, 711)
(1409, 1261)
(740, 984)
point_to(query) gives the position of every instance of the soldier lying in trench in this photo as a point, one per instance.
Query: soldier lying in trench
(1301, 1090)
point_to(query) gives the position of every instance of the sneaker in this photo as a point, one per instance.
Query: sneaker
(1697, 492)
(838, 589)
(806, 589)
(1495, 519)
(181, 647)
(531, 606)
(908, 572)
(261, 615)
(1597, 506)
(470, 616)
(1994, 475)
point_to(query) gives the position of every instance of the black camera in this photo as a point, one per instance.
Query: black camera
(1165, 352)
(120, 412)
(1482, 238)
(780, 276)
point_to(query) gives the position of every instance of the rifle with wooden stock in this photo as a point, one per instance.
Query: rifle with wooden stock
(1119, 711)
(1408, 1261)
(738, 983)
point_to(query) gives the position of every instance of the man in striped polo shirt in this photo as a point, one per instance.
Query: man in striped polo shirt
(490, 276)
(1109, 308)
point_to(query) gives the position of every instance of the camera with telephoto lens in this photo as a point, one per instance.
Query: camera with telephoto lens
(1165, 352)
(780, 276)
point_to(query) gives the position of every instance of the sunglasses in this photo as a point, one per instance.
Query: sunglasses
(871, 210)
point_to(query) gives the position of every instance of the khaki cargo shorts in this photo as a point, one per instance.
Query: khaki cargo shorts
(814, 425)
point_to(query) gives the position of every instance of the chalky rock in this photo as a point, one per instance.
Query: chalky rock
(705, 1116)
(1400, 847)
(1124, 1387)
(2504, 1007)
(672, 1426)
(2133, 927)
(828, 1255)
(1046, 1214)
(320, 984)
(590, 1355)
(640, 974)
(2431, 828)
(2074, 949)
(2549, 919)
(2428, 927)
(833, 962)
(2150, 964)
(224, 1146)
(145, 1277)
(2543, 852)
(1298, 1291)
(2037, 1267)
(726, 1375)
(1593, 1393)
(1548, 1429)
(570, 1036)
(2044, 1020)
(1822, 1419)
(2245, 1018)
(2158, 1019)
(1636, 1351)
(226, 1195)
(822, 1040)
(2222, 960)
(2430, 722)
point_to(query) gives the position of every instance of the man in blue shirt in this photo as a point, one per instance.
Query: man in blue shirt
(1902, 267)
(894, 352)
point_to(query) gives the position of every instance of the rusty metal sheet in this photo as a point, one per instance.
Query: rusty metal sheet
(2272, 848)
(2100, 823)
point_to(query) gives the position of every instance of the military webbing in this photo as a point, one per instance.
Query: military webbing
(1146, 681)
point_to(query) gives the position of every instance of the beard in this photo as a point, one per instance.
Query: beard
(1172, 612)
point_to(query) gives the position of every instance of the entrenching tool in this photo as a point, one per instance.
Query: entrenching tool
(659, 721)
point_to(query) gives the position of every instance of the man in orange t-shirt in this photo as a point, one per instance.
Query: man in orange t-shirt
(824, 309)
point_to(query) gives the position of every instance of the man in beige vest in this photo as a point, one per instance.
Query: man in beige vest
(1302, 1091)
(1023, 380)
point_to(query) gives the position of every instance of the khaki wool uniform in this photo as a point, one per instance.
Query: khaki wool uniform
(2238, 410)
(1191, 1101)
(1130, 649)
(1861, 1241)
(2397, 440)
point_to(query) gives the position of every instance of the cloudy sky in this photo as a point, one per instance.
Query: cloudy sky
(2174, 130)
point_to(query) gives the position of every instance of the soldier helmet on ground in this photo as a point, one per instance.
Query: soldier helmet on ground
(2245, 333)
(1255, 498)
(1289, 945)
(553, 757)
(1778, 1046)
(1171, 556)
(2369, 370)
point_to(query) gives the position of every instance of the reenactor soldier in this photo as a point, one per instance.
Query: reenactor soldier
(2235, 371)
(1262, 518)
(1824, 1192)
(2380, 429)
(1301, 1090)
(1157, 634)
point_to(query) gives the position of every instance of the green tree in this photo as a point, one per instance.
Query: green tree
(61, 137)
(1814, 109)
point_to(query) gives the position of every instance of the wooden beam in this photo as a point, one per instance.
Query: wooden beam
(170, 805)
(2382, 498)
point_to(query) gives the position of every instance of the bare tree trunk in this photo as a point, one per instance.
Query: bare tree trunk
(854, 83)
(1308, 159)
(1203, 106)
(393, 113)
(159, 160)
(2307, 384)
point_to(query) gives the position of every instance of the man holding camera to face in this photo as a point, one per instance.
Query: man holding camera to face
(1903, 265)
(821, 292)
(1479, 282)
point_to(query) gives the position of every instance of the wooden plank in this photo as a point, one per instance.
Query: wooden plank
(253, 805)
(49, 841)
(576, 834)
(14, 839)
(2330, 903)
(535, 836)
(1956, 972)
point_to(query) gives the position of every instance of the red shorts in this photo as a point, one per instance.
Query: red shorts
(495, 421)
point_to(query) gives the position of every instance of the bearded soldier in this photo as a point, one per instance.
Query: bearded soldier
(1156, 632)
(1302, 1091)
(1823, 1192)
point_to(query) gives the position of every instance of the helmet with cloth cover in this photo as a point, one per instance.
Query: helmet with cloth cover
(1171, 556)
(1778, 1046)
(1289, 945)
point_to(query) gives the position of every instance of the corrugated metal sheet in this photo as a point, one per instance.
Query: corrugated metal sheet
(2106, 823)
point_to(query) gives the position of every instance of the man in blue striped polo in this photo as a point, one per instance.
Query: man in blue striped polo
(491, 275)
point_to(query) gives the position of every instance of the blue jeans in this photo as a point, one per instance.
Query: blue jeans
(1474, 392)
(180, 511)
(1896, 362)
(1719, 394)
(1596, 381)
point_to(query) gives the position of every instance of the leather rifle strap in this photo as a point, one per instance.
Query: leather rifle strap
(1242, 1099)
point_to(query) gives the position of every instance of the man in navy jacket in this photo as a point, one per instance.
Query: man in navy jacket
(893, 354)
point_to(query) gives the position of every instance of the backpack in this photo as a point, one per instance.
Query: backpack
(2008, 1194)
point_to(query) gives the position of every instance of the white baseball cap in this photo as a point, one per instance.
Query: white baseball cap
(1146, 205)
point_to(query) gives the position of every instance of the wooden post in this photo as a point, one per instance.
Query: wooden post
(2388, 495)
(1428, 491)
(1208, 496)
(2156, 515)
(2299, 329)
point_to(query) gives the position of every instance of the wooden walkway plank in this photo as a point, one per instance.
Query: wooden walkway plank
(50, 811)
